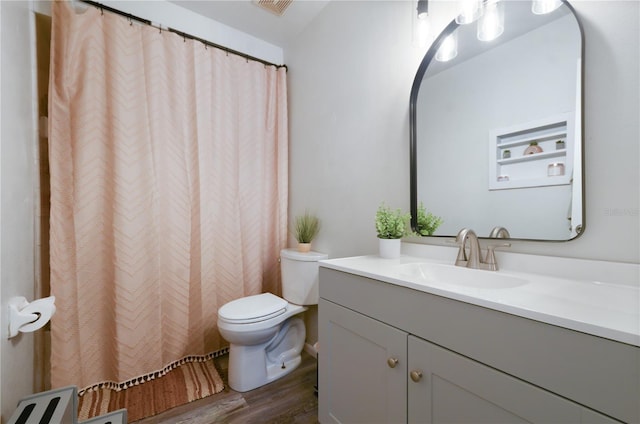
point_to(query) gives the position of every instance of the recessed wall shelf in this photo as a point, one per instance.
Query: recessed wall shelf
(519, 170)
(537, 156)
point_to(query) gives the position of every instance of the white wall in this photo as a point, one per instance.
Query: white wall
(17, 208)
(350, 76)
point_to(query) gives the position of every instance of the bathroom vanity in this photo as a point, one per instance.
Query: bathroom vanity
(410, 340)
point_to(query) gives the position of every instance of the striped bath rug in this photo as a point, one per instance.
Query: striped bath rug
(185, 383)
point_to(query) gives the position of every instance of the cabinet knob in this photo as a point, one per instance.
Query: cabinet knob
(392, 362)
(415, 375)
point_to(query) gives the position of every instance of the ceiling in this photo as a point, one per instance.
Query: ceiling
(248, 17)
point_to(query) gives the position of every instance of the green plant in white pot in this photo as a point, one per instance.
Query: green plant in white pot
(306, 229)
(391, 226)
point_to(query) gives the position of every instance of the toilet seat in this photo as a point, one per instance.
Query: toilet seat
(252, 309)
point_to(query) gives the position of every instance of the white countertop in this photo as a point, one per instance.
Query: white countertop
(600, 308)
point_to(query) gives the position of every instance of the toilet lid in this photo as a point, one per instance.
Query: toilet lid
(255, 308)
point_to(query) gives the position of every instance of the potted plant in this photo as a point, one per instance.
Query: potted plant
(391, 226)
(427, 223)
(306, 229)
(559, 144)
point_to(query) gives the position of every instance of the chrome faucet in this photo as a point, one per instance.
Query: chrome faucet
(474, 259)
(499, 232)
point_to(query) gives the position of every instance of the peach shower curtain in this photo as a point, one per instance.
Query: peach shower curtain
(168, 193)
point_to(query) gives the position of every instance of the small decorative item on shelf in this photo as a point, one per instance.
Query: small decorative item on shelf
(306, 229)
(559, 144)
(532, 149)
(391, 226)
(555, 169)
(503, 178)
(506, 154)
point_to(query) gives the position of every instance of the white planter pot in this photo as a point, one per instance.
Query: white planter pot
(389, 248)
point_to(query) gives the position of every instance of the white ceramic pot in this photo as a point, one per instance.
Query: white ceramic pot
(389, 248)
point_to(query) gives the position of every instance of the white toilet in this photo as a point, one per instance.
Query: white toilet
(265, 335)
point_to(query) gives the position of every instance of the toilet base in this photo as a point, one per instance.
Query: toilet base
(253, 366)
(248, 369)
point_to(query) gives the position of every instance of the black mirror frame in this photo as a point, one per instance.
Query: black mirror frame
(415, 88)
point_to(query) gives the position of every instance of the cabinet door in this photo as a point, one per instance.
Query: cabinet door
(362, 368)
(454, 388)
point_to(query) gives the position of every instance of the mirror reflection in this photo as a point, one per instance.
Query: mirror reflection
(497, 124)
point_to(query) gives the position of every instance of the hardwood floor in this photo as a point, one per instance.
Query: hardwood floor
(288, 400)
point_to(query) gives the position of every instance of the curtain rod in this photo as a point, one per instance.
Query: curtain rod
(131, 17)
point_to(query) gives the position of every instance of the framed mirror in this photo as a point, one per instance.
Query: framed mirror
(496, 132)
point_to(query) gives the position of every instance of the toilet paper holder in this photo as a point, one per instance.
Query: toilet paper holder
(25, 317)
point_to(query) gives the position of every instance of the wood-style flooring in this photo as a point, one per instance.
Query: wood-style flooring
(289, 400)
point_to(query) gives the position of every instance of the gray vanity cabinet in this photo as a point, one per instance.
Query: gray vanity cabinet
(366, 380)
(385, 357)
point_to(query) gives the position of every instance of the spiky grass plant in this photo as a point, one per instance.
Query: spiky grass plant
(306, 227)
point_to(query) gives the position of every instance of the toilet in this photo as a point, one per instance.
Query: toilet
(265, 334)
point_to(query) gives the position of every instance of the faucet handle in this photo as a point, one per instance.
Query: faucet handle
(491, 255)
(499, 232)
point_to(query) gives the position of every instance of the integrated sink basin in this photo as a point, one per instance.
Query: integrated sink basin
(434, 273)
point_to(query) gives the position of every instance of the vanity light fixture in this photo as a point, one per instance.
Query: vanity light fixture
(423, 9)
(421, 31)
(491, 24)
(448, 49)
(542, 7)
(470, 11)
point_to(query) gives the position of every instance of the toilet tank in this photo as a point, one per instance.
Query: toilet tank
(300, 276)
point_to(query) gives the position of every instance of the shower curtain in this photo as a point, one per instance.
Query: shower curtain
(168, 194)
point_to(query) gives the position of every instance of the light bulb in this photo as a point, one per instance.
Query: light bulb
(448, 49)
(422, 32)
(470, 10)
(541, 7)
(423, 9)
(421, 27)
(491, 24)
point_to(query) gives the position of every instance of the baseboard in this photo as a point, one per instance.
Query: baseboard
(311, 350)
